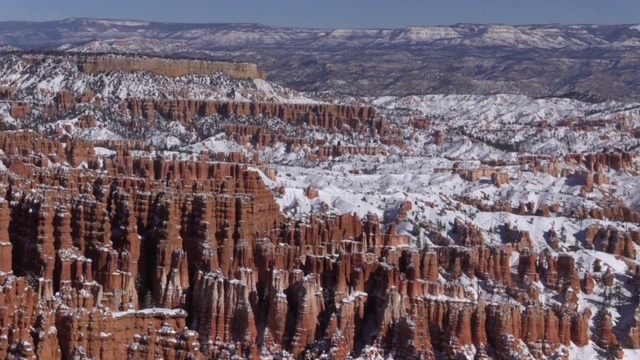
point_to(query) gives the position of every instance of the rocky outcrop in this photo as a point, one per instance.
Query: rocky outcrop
(93, 333)
(528, 266)
(6, 92)
(612, 240)
(618, 160)
(222, 311)
(337, 151)
(633, 338)
(603, 334)
(500, 178)
(521, 238)
(311, 192)
(580, 328)
(130, 256)
(6, 249)
(586, 178)
(19, 110)
(476, 174)
(588, 283)
(95, 64)
(468, 234)
(326, 116)
(438, 138)
(25, 330)
(568, 274)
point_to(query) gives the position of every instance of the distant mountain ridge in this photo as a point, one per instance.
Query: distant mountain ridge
(598, 61)
(74, 31)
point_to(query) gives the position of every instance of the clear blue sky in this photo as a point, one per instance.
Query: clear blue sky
(333, 13)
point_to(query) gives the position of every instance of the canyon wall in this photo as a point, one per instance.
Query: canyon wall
(95, 64)
(187, 259)
(326, 116)
(142, 256)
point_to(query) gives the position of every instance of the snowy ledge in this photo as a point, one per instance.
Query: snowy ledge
(150, 313)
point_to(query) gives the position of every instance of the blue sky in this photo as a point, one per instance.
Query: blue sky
(333, 13)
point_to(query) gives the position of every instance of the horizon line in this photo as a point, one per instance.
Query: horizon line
(149, 22)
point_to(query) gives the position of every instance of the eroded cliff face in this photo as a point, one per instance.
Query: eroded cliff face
(137, 114)
(325, 116)
(95, 64)
(137, 257)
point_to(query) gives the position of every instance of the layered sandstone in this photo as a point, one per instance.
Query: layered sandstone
(327, 116)
(618, 160)
(95, 64)
(158, 257)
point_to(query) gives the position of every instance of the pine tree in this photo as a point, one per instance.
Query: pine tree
(563, 234)
(597, 267)
(580, 265)
(618, 296)
(612, 351)
(606, 299)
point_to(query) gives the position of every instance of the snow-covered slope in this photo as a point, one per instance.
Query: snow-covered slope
(43, 81)
(535, 60)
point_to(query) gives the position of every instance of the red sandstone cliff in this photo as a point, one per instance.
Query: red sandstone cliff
(89, 256)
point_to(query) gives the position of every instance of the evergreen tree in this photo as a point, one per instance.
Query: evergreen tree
(597, 267)
(580, 265)
(563, 234)
(612, 351)
(618, 296)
